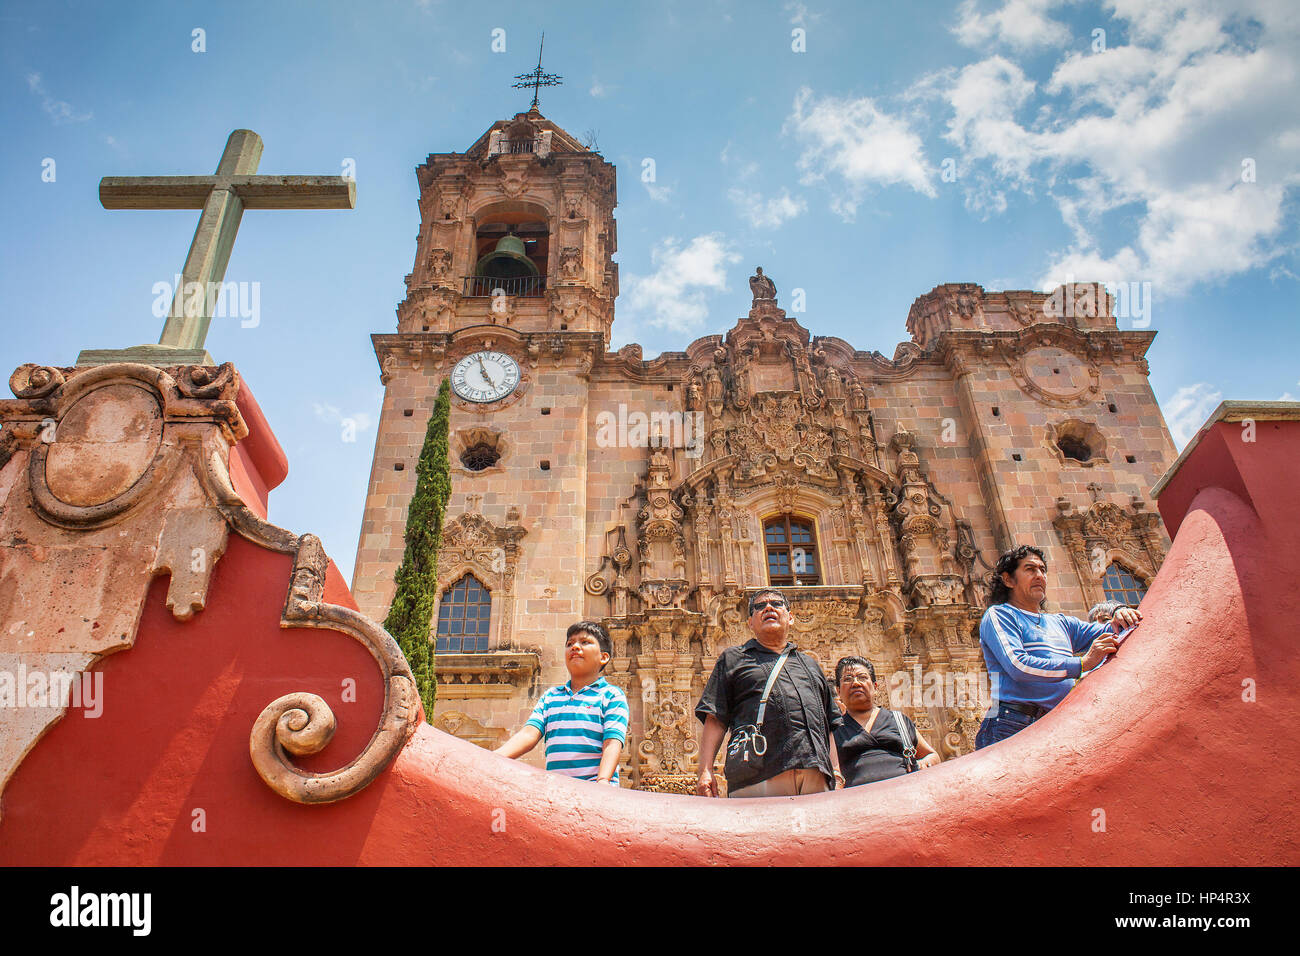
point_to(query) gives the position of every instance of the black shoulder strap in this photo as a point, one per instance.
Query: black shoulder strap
(909, 745)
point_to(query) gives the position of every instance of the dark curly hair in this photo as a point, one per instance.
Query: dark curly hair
(999, 593)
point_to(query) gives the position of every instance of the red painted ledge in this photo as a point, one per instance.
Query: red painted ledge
(1175, 753)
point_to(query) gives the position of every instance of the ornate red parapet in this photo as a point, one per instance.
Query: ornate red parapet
(220, 660)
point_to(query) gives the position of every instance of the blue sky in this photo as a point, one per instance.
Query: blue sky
(1013, 144)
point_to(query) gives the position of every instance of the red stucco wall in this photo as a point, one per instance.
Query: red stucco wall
(1160, 740)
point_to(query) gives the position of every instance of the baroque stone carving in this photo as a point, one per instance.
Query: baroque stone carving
(571, 262)
(1105, 532)
(473, 544)
(137, 432)
(301, 723)
(465, 727)
(439, 263)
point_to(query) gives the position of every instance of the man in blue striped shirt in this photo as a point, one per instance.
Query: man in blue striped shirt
(1034, 659)
(584, 721)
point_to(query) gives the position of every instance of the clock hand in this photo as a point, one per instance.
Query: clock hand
(486, 376)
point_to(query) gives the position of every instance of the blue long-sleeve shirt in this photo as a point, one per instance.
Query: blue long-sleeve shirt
(1031, 658)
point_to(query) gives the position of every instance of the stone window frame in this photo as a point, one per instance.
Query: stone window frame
(808, 501)
(463, 440)
(1086, 432)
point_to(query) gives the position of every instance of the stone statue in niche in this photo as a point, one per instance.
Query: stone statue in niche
(834, 387)
(713, 386)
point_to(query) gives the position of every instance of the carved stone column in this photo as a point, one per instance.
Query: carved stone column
(884, 534)
(725, 531)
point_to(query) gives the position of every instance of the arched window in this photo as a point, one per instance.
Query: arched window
(791, 552)
(1123, 586)
(511, 252)
(463, 617)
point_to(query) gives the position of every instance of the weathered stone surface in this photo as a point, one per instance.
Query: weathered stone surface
(146, 355)
(105, 443)
(115, 474)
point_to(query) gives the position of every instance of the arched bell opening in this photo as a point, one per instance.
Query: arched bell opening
(511, 253)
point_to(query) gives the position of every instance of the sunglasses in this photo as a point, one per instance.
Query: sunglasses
(764, 605)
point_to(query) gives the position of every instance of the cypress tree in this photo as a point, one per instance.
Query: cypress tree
(417, 576)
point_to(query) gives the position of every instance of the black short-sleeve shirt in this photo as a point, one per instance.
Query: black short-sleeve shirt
(868, 756)
(801, 711)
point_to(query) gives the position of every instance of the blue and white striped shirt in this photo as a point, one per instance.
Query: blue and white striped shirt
(576, 726)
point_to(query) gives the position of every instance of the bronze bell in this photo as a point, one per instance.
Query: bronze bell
(506, 260)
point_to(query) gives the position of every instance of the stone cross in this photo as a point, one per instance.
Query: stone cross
(223, 197)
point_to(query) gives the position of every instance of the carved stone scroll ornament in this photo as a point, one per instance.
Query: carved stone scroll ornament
(67, 489)
(302, 723)
(161, 476)
(35, 381)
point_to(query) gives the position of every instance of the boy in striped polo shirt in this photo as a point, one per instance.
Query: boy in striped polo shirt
(584, 721)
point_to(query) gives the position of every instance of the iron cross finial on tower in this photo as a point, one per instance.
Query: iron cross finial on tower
(537, 79)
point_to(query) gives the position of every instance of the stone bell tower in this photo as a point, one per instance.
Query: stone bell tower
(516, 231)
(512, 298)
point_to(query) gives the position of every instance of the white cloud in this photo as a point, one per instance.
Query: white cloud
(60, 111)
(984, 98)
(766, 213)
(859, 144)
(1188, 410)
(1170, 157)
(600, 90)
(1023, 24)
(353, 424)
(800, 15)
(739, 169)
(673, 296)
(657, 193)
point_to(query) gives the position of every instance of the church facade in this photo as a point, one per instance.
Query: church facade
(654, 496)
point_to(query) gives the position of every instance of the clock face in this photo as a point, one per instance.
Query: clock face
(485, 377)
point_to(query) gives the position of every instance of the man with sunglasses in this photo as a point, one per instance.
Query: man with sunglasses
(792, 745)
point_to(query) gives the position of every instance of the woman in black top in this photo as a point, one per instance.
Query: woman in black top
(868, 740)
